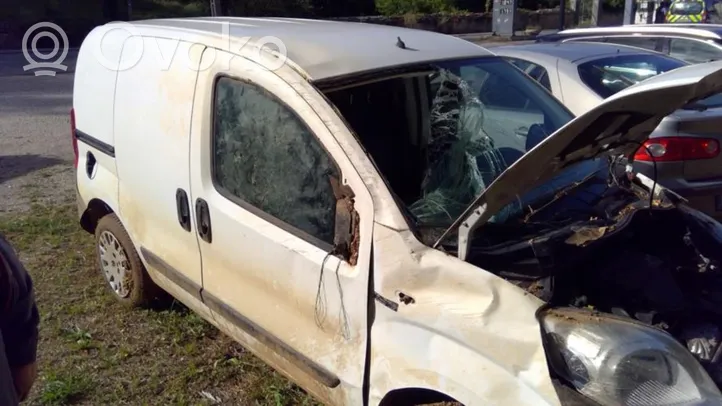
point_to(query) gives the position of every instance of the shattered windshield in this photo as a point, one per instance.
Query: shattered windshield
(442, 136)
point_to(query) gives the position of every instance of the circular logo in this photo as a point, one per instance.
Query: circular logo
(42, 60)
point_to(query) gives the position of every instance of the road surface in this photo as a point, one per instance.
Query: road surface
(35, 149)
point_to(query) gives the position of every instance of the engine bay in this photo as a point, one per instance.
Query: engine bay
(657, 264)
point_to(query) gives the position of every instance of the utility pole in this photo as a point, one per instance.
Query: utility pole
(215, 8)
(562, 13)
(628, 12)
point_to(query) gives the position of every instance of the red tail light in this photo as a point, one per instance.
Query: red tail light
(677, 149)
(73, 136)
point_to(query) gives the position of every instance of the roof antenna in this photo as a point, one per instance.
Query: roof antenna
(402, 45)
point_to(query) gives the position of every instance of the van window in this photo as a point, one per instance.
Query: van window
(265, 157)
(441, 135)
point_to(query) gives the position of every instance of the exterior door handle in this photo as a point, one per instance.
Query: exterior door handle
(184, 211)
(203, 216)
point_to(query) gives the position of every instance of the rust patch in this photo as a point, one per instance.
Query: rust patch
(347, 222)
(536, 288)
(581, 316)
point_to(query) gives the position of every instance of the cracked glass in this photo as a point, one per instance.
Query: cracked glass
(265, 156)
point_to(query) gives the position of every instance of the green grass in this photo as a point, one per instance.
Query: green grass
(93, 351)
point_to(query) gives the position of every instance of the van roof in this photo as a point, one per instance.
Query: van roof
(325, 49)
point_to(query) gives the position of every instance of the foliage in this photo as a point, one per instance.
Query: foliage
(400, 7)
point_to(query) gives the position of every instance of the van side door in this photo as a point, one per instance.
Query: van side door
(268, 179)
(152, 123)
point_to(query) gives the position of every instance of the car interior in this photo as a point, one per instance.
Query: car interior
(408, 124)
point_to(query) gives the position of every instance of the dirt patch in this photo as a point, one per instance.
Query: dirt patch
(93, 351)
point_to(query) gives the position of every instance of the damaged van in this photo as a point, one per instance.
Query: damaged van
(397, 217)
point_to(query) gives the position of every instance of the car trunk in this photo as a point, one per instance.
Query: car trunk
(706, 124)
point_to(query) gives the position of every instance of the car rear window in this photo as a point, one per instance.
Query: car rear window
(686, 8)
(607, 76)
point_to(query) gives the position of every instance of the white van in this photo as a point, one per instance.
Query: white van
(382, 215)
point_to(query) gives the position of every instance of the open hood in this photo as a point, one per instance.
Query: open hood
(618, 126)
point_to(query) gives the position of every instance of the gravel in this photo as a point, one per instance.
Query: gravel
(35, 150)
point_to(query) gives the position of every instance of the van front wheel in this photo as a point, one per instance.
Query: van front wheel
(120, 264)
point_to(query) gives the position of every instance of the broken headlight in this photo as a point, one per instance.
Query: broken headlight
(617, 361)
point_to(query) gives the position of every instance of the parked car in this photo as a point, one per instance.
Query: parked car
(688, 11)
(347, 213)
(694, 43)
(687, 143)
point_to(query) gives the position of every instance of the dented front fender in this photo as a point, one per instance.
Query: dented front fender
(446, 325)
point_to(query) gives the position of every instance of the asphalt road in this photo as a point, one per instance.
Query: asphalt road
(35, 150)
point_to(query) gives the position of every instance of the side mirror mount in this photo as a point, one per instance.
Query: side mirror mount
(346, 236)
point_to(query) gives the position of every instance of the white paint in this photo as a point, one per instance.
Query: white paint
(469, 334)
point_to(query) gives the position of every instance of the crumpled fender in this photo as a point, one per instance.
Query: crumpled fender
(446, 325)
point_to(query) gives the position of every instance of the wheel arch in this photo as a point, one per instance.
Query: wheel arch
(416, 396)
(96, 210)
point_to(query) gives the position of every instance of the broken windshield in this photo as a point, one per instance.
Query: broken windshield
(441, 138)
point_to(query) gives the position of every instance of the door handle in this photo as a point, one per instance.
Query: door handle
(184, 211)
(203, 216)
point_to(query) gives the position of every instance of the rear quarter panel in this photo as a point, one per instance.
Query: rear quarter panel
(93, 99)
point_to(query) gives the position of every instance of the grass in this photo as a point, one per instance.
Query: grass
(93, 351)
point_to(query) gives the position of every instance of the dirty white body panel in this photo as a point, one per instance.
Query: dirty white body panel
(438, 323)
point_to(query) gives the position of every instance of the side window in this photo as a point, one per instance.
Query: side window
(693, 51)
(649, 43)
(519, 63)
(535, 71)
(264, 156)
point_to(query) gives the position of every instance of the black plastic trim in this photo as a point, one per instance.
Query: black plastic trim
(171, 273)
(301, 361)
(386, 302)
(95, 143)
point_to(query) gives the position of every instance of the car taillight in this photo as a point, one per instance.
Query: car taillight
(667, 149)
(73, 136)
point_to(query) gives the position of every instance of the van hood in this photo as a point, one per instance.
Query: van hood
(618, 126)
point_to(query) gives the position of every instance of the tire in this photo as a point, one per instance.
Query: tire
(120, 265)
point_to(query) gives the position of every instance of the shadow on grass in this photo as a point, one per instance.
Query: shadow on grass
(96, 351)
(14, 166)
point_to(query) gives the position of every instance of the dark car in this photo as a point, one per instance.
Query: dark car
(693, 43)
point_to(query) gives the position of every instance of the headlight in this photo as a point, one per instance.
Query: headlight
(618, 361)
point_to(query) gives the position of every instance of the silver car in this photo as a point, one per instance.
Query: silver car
(682, 153)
